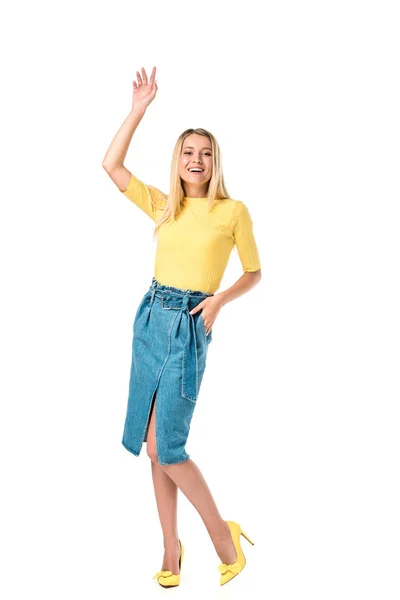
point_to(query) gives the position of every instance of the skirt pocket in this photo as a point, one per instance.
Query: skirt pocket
(209, 336)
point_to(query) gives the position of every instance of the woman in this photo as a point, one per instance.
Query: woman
(197, 225)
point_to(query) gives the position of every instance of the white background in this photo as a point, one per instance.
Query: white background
(296, 429)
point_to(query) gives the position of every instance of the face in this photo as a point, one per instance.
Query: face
(196, 153)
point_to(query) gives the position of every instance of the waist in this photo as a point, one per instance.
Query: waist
(170, 295)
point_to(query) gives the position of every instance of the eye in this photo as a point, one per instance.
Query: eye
(187, 152)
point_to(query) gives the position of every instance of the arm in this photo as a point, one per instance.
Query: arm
(246, 245)
(248, 253)
(247, 281)
(143, 94)
(214, 304)
(114, 159)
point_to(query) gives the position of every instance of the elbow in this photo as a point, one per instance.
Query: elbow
(109, 167)
(106, 166)
(255, 275)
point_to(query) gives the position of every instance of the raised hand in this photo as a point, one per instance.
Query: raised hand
(144, 91)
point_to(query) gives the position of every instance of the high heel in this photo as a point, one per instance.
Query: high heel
(228, 572)
(168, 578)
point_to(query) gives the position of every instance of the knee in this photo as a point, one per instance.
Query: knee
(152, 453)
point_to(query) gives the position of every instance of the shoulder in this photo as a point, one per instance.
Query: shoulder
(233, 206)
(229, 205)
(226, 209)
(240, 210)
(234, 212)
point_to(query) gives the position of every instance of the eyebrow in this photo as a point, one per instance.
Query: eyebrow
(204, 147)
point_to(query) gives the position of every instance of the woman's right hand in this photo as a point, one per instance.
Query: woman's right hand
(144, 91)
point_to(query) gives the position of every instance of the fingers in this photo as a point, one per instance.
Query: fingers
(195, 309)
(144, 81)
(139, 78)
(207, 326)
(153, 76)
(144, 76)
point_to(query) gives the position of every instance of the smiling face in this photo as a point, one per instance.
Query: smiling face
(195, 165)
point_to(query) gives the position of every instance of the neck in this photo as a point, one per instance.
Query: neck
(195, 192)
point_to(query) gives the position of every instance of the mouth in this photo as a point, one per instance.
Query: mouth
(196, 172)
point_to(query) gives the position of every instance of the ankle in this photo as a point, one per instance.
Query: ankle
(171, 544)
(220, 533)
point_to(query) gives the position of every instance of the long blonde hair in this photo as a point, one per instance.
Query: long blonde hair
(216, 186)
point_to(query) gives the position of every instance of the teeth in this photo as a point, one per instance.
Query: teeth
(196, 170)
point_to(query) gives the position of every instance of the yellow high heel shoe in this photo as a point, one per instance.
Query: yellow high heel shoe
(168, 578)
(228, 572)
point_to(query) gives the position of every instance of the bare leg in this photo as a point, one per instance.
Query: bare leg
(188, 478)
(166, 493)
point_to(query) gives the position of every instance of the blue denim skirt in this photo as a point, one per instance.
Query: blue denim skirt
(169, 352)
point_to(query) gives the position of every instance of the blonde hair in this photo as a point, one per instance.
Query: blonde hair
(216, 186)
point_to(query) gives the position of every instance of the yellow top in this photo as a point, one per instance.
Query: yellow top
(193, 251)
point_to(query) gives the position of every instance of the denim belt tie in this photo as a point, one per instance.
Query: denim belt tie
(171, 301)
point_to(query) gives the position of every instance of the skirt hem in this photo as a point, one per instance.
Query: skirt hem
(130, 449)
(175, 462)
(162, 464)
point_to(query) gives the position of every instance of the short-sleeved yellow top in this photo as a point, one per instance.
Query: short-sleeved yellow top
(193, 251)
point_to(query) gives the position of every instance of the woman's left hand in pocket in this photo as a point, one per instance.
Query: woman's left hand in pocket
(210, 308)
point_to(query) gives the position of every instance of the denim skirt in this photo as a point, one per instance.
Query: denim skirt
(169, 352)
